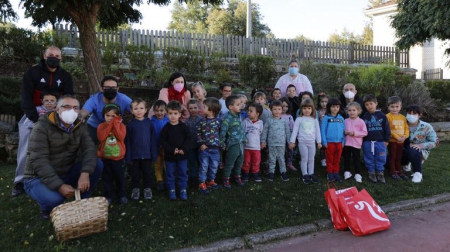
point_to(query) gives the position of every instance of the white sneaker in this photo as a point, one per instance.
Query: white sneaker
(358, 178)
(347, 175)
(417, 177)
(407, 167)
(324, 162)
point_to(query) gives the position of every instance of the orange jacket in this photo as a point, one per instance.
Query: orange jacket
(113, 135)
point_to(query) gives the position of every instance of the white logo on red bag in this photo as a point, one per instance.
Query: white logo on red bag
(360, 206)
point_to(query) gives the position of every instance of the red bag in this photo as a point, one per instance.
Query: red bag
(331, 196)
(362, 214)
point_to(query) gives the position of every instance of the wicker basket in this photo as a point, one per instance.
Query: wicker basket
(81, 217)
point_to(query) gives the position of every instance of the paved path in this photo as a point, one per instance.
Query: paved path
(425, 229)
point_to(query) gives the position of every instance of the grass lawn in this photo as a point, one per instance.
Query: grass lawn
(162, 225)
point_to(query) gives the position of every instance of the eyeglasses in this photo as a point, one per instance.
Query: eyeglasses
(68, 107)
(109, 87)
(226, 91)
(49, 102)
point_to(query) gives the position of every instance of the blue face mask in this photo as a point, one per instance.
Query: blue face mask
(293, 70)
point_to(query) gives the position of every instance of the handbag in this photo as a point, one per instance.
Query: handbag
(80, 217)
(362, 214)
(331, 197)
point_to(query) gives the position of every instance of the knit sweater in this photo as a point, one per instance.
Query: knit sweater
(175, 137)
(253, 131)
(306, 129)
(359, 128)
(332, 129)
(377, 127)
(111, 137)
(276, 132)
(141, 140)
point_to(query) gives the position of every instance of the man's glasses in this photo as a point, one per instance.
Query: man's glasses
(68, 107)
(109, 87)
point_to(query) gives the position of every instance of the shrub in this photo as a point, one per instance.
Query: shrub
(183, 60)
(10, 97)
(257, 70)
(439, 89)
(20, 44)
(110, 55)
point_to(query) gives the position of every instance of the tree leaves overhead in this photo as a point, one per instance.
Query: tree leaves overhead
(6, 11)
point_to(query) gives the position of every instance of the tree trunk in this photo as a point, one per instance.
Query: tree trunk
(85, 21)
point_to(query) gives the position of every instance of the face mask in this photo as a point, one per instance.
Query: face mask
(412, 118)
(69, 116)
(109, 94)
(178, 87)
(293, 70)
(52, 62)
(349, 95)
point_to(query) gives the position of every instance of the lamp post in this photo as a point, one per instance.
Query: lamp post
(249, 25)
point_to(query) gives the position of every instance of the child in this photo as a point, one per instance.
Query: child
(275, 136)
(232, 137)
(303, 96)
(159, 119)
(291, 94)
(48, 101)
(275, 94)
(243, 113)
(399, 133)
(208, 139)
(355, 130)
(142, 149)
(286, 115)
(175, 139)
(422, 138)
(321, 111)
(333, 138)
(261, 99)
(111, 135)
(192, 164)
(307, 131)
(253, 128)
(199, 92)
(378, 136)
(225, 90)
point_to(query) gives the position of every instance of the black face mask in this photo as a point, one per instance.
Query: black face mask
(52, 62)
(109, 94)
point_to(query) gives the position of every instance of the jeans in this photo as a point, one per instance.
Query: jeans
(49, 199)
(374, 155)
(192, 163)
(174, 170)
(209, 162)
(113, 171)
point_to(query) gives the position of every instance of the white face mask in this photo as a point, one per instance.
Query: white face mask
(349, 95)
(69, 116)
(412, 118)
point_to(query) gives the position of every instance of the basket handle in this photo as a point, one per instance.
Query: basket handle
(77, 194)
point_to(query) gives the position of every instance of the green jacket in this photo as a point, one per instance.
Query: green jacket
(231, 130)
(52, 151)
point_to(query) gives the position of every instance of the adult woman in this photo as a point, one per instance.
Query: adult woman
(175, 89)
(300, 81)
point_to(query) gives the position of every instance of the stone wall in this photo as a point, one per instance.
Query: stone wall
(442, 130)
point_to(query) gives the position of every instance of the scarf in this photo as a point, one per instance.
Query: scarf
(174, 95)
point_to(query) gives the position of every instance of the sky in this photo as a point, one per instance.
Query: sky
(315, 19)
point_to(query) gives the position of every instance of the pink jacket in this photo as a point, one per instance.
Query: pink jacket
(164, 95)
(359, 127)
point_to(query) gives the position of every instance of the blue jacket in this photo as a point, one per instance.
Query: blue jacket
(140, 140)
(378, 128)
(159, 124)
(332, 129)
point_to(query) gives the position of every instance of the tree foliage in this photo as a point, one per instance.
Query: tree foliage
(419, 21)
(6, 11)
(348, 37)
(190, 18)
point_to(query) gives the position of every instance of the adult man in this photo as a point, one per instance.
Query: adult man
(48, 77)
(94, 105)
(349, 94)
(61, 156)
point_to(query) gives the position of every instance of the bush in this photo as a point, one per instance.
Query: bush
(10, 96)
(257, 70)
(110, 55)
(183, 60)
(20, 44)
(439, 89)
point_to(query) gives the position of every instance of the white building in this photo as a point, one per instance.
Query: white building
(427, 57)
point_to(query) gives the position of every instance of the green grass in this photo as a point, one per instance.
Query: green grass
(162, 225)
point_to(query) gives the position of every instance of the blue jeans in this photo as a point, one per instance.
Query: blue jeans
(374, 156)
(174, 170)
(49, 199)
(209, 162)
(192, 163)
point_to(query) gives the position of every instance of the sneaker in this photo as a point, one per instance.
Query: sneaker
(183, 195)
(159, 186)
(306, 179)
(313, 179)
(238, 180)
(380, 177)
(212, 185)
(403, 176)
(347, 175)
(417, 177)
(358, 178)
(395, 176)
(123, 200)
(172, 195)
(323, 162)
(330, 177)
(291, 167)
(135, 194)
(373, 177)
(148, 195)
(407, 167)
(17, 190)
(257, 178)
(226, 182)
(202, 188)
(337, 177)
(284, 176)
(270, 176)
(245, 177)
(44, 215)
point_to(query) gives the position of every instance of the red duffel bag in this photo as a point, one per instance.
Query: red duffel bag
(362, 214)
(331, 196)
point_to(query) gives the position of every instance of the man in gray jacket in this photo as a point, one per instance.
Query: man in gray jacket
(61, 157)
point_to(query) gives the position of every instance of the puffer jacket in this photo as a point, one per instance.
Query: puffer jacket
(52, 151)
